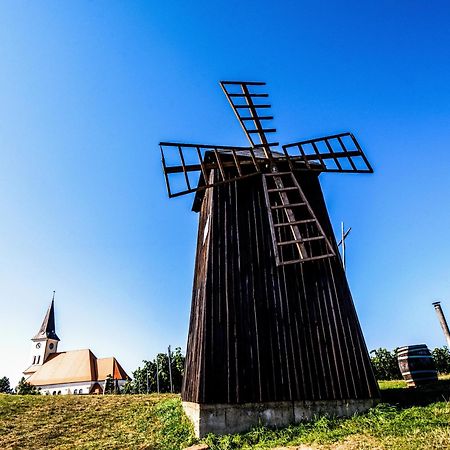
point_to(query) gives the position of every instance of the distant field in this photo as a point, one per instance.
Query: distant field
(407, 419)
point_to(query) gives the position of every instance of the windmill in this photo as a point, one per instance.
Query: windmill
(272, 325)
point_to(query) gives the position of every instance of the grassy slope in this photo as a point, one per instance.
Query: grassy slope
(93, 422)
(157, 422)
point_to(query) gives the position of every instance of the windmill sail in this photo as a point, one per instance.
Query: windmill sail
(187, 166)
(337, 153)
(246, 107)
(296, 233)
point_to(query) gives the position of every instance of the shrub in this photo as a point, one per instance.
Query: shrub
(441, 356)
(24, 388)
(385, 365)
(5, 387)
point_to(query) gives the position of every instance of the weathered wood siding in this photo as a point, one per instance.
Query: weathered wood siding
(262, 333)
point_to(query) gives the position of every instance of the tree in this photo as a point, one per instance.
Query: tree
(5, 387)
(178, 360)
(441, 357)
(385, 364)
(109, 385)
(146, 381)
(24, 388)
(128, 387)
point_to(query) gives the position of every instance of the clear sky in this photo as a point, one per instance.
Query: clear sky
(89, 88)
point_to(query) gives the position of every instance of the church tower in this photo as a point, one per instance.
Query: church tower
(45, 342)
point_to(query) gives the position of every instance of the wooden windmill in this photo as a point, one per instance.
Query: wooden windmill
(273, 336)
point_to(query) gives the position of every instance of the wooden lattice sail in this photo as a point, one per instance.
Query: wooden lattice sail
(274, 337)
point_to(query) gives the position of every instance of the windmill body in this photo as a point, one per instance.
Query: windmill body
(274, 337)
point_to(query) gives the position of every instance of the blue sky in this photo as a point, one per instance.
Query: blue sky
(89, 88)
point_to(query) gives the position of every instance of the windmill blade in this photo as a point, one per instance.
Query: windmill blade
(297, 235)
(187, 166)
(242, 99)
(337, 153)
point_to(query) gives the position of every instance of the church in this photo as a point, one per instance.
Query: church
(72, 372)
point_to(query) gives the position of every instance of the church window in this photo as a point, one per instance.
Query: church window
(38, 359)
(59, 392)
(54, 393)
(75, 391)
(34, 359)
(51, 345)
(80, 391)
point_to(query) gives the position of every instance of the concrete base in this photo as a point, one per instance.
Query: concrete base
(229, 419)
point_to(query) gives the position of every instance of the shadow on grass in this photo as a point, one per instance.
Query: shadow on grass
(438, 391)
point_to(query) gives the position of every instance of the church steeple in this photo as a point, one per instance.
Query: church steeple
(47, 330)
(45, 342)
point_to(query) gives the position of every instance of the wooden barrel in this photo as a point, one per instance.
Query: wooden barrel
(416, 365)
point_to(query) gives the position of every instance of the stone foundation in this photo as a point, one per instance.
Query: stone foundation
(229, 418)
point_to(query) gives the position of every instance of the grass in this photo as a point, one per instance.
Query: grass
(384, 427)
(93, 422)
(406, 419)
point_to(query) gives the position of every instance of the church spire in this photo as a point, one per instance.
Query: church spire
(47, 330)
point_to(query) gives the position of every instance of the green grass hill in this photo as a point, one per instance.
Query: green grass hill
(406, 419)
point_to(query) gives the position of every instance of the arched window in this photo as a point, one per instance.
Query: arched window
(59, 392)
(54, 393)
(80, 391)
(38, 359)
(34, 359)
(75, 391)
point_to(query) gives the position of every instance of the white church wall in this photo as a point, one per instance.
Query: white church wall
(70, 388)
(67, 388)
